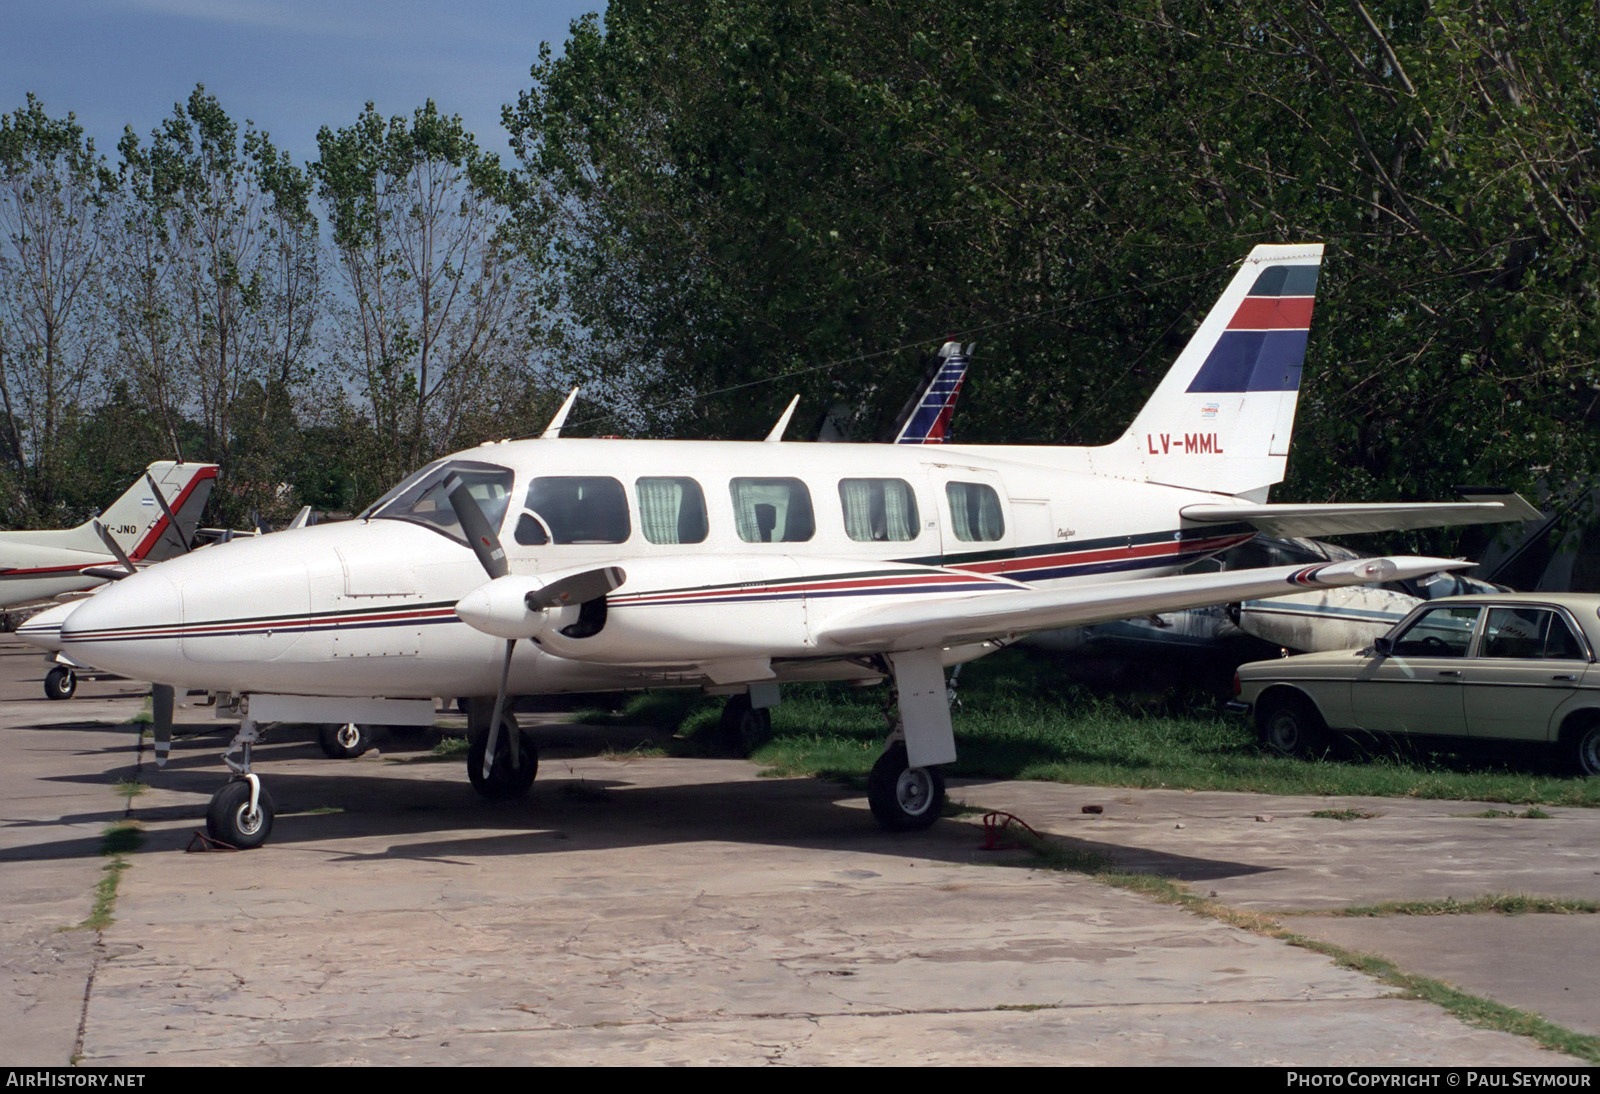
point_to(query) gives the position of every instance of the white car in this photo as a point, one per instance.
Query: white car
(1513, 666)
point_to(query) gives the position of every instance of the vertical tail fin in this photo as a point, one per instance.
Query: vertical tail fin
(136, 521)
(1221, 419)
(925, 419)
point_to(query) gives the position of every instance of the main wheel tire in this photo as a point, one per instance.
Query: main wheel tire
(344, 740)
(742, 729)
(503, 782)
(904, 798)
(229, 819)
(1583, 750)
(1291, 726)
(60, 683)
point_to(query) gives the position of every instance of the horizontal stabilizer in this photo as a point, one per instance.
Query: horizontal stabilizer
(1003, 615)
(1300, 521)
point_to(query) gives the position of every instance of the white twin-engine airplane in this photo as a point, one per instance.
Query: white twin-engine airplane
(570, 565)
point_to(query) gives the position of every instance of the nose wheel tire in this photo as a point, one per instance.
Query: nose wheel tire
(503, 782)
(230, 819)
(904, 798)
(60, 683)
(344, 741)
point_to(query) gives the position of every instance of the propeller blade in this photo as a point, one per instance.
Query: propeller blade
(485, 544)
(494, 720)
(577, 589)
(161, 715)
(172, 520)
(113, 546)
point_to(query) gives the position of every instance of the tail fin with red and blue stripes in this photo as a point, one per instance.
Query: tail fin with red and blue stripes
(1221, 418)
(926, 417)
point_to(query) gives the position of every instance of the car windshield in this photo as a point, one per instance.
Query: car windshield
(421, 499)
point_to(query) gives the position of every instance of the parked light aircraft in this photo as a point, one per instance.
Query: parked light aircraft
(152, 520)
(563, 565)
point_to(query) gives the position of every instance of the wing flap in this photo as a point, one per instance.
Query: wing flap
(1301, 521)
(998, 615)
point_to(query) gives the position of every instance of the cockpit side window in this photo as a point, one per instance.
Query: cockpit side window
(421, 499)
(574, 509)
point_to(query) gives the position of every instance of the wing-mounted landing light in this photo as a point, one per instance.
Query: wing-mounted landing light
(513, 606)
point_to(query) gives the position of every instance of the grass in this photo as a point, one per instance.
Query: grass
(116, 843)
(1017, 720)
(1531, 813)
(1343, 814)
(1494, 904)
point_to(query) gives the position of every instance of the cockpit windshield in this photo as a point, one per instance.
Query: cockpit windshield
(421, 498)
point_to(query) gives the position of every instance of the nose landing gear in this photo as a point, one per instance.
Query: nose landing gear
(241, 813)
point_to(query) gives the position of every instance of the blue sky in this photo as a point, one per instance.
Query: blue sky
(291, 66)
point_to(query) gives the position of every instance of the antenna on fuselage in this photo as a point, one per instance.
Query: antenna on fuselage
(553, 430)
(783, 422)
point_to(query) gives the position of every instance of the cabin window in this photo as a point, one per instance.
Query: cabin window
(421, 498)
(878, 510)
(671, 510)
(975, 515)
(574, 509)
(772, 510)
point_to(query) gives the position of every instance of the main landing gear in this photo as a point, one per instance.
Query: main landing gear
(906, 786)
(743, 727)
(510, 775)
(904, 798)
(344, 741)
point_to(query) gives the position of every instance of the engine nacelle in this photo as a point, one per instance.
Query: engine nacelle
(691, 610)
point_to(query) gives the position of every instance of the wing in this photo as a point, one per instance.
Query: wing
(1293, 521)
(1001, 615)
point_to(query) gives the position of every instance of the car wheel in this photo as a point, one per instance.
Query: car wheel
(1290, 726)
(1584, 750)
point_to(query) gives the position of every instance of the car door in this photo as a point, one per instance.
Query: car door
(1530, 661)
(1417, 687)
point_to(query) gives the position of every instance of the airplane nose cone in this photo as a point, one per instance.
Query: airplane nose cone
(130, 628)
(43, 629)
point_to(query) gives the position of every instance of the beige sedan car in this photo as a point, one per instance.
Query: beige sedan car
(1512, 666)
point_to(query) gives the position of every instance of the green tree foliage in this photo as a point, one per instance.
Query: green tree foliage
(217, 289)
(431, 317)
(729, 190)
(53, 189)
